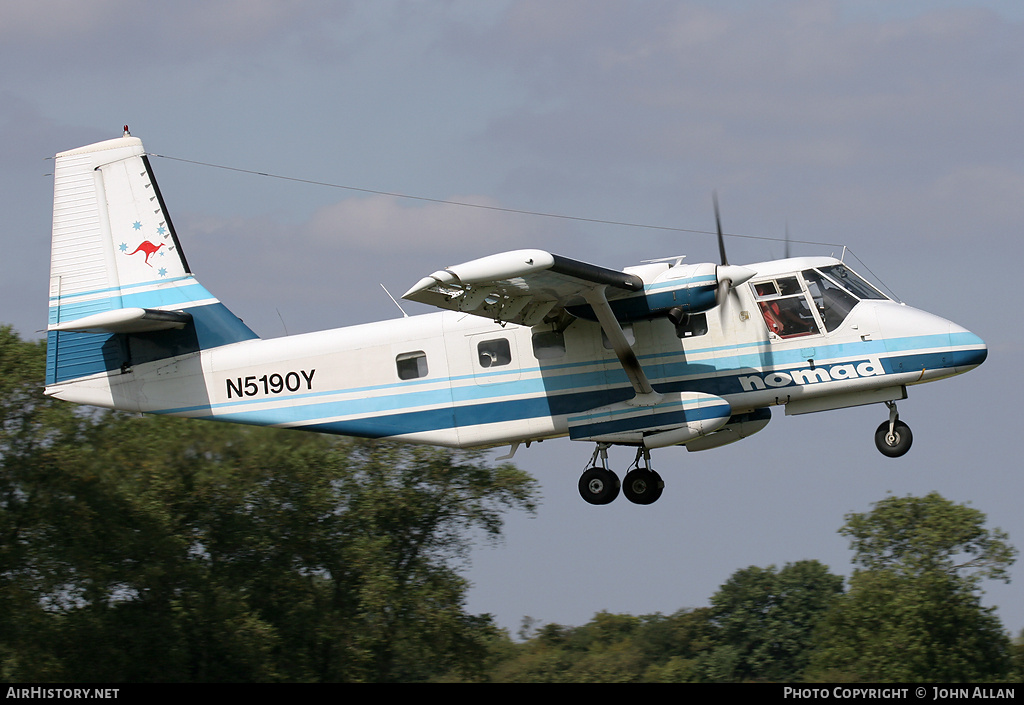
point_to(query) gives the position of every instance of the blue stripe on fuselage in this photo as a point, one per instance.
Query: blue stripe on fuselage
(566, 388)
(71, 354)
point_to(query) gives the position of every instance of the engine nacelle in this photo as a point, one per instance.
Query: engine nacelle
(675, 292)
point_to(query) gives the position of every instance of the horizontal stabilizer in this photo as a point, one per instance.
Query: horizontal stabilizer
(127, 320)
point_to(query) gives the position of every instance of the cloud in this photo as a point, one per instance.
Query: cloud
(681, 80)
(385, 225)
(344, 251)
(127, 34)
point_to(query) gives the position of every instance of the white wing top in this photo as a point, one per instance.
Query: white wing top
(522, 286)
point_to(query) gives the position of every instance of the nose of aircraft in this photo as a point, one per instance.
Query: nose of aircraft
(925, 341)
(969, 350)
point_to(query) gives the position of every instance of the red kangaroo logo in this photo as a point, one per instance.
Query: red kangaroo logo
(148, 248)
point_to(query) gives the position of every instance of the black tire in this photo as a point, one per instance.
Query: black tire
(642, 486)
(896, 445)
(599, 485)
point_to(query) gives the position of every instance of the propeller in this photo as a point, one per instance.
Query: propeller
(729, 275)
(718, 225)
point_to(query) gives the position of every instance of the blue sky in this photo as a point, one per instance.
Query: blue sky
(895, 132)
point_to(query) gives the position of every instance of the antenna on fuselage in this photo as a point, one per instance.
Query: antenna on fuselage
(404, 314)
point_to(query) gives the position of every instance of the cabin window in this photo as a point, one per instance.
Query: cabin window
(692, 325)
(627, 330)
(548, 344)
(494, 353)
(412, 365)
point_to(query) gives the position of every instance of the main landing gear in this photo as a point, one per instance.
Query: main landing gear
(599, 485)
(893, 438)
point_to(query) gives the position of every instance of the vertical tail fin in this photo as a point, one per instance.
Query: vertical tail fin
(121, 292)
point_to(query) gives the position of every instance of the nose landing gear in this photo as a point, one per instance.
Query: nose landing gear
(893, 438)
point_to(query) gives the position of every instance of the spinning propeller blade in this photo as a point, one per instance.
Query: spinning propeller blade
(728, 275)
(718, 224)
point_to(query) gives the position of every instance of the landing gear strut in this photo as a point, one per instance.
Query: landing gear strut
(642, 485)
(598, 484)
(893, 438)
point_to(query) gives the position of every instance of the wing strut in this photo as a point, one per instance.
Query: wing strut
(645, 394)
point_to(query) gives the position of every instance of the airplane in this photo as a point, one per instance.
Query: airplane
(527, 346)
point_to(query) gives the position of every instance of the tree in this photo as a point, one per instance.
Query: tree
(912, 536)
(168, 549)
(765, 619)
(913, 611)
(611, 648)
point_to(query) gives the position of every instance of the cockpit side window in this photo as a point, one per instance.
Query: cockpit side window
(785, 308)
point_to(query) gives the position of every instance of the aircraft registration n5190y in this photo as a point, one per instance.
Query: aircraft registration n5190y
(527, 346)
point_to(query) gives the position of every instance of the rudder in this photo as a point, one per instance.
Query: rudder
(121, 292)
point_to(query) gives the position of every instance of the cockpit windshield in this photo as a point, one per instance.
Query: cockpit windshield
(851, 282)
(822, 303)
(832, 301)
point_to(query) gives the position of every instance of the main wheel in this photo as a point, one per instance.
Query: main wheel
(642, 486)
(599, 485)
(896, 443)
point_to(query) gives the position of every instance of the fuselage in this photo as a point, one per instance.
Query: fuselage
(797, 334)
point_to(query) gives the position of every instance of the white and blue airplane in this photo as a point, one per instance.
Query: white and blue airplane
(527, 346)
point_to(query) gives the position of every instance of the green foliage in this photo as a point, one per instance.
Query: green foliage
(917, 535)
(1017, 652)
(612, 648)
(894, 628)
(912, 614)
(160, 549)
(916, 596)
(765, 620)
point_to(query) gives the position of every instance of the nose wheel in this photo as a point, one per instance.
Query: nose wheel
(893, 438)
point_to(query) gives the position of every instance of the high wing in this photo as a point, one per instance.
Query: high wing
(526, 286)
(522, 287)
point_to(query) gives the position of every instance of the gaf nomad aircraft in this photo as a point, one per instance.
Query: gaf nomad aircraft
(528, 346)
